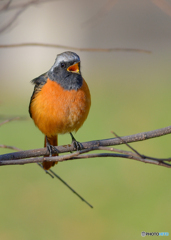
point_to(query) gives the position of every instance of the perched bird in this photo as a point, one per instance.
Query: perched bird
(61, 101)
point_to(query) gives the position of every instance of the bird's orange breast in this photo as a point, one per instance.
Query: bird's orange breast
(56, 110)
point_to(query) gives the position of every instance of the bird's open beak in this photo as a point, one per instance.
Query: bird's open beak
(75, 68)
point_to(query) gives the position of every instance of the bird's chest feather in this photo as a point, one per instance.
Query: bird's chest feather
(57, 110)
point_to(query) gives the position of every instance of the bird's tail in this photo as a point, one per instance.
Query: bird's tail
(53, 140)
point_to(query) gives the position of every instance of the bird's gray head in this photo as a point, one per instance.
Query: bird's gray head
(66, 57)
(66, 71)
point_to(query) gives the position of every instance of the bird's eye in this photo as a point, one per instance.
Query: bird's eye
(62, 65)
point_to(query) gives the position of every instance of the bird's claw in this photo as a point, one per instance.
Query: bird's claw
(77, 145)
(51, 150)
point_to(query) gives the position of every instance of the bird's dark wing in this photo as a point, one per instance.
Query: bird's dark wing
(39, 82)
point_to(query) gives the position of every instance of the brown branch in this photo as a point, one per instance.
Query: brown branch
(9, 120)
(31, 156)
(12, 20)
(134, 154)
(105, 142)
(41, 159)
(77, 155)
(10, 147)
(74, 48)
(5, 6)
(21, 8)
(163, 5)
(160, 163)
(25, 4)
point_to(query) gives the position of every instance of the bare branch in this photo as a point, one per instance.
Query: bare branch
(46, 171)
(9, 120)
(31, 156)
(53, 174)
(12, 20)
(41, 159)
(5, 6)
(21, 7)
(87, 145)
(161, 163)
(74, 48)
(141, 155)
(163, 5)
(68, 186)
(25, 4)
(137, 153)
(10, 147)
(77, 155)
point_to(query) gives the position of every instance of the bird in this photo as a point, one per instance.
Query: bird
(60, 102)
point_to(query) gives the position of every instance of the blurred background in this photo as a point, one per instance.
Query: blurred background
(130, 94)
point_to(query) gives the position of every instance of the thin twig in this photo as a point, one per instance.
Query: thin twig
(53, 174)
(46, 171)
(163, 5)
(5, 6)
(144, 157)
(9, 120)
(141, 155)
(123, 156)
(19, 149)
(66, 184)
(74, 48)
(135, 151)
(10, 147)
(117, 150)
(77, 155)
(21, 7)
(17, 5)
(12, 20)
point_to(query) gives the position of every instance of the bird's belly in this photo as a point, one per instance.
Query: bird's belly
(57, 111)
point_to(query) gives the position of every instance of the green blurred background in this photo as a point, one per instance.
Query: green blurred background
(130, 94)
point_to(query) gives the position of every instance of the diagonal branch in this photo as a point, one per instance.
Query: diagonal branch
(12, 20)
(21, 4)
(5, 6)
(21, 7)
(53, 174)
(163, 5)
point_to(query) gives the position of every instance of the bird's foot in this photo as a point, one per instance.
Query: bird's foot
(52, 149)
(77, 145)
